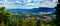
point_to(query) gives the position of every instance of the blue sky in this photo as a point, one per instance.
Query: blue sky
(28, 3)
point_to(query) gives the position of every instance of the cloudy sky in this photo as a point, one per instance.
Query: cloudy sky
(28, 3)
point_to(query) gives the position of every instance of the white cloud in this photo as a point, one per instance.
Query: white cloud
(48, 4)
(30, 4)
(28, 0)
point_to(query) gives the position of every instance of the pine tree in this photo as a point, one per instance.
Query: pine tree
(57, 13)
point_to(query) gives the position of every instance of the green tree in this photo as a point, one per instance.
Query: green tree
(57, 14)
(31, 22)
(27, 22)
(4, 15)
(22, 22)
(15, 22)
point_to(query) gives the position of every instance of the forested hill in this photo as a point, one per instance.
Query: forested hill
(34, 10)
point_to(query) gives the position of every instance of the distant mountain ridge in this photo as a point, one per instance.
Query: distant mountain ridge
(34, 10)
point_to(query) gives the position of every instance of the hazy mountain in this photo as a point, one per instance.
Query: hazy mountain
(34, 10)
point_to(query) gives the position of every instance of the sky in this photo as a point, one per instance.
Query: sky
(28, 4)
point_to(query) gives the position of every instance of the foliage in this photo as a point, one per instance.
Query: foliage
(57, 21)
(6, 20)
(4, 16)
